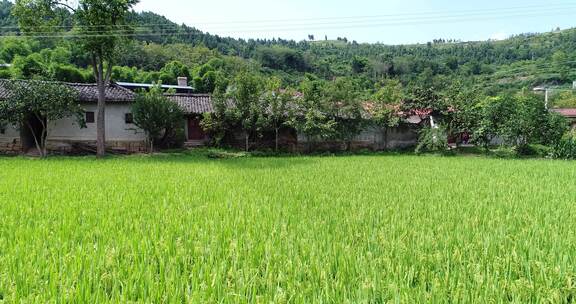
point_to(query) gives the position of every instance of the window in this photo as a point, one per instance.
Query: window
(90, 117)
(128, 118)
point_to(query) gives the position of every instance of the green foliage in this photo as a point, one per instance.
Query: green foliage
(564, 100)
(359, 64)
(281, 58)
(5, 73)
(245, 93)
(536, 150)
(386, 102)
(565, 148)
(345, 108)
(278, 107)
(45, 101)
(68, 73)
(12, 47)
(172, 70)
(463, 115)
(498, 116)
(156, 115)
(311, 118)
(215, 124)
(433, 140)
(493, 67)
(518, 120)
(30, 67)
(207, 76)
(427, 98)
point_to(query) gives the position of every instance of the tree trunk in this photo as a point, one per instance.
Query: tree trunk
(247, 142)
(386, 139)
(276, 140)
(167, 134)
(43, 135)
(101, 119)
(38, 146)
(43, 142)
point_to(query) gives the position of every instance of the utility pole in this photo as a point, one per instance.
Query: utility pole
(546, 93)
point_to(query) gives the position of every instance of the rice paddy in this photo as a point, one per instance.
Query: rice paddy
(355, 229)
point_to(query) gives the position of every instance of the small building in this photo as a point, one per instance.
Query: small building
(65, 135)
(194, 107)
(569, 114)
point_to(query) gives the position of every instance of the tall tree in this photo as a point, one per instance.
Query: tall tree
(346, 109)
(387, 102)
(245, 94)
(278, 107)
(99, 24)
(311, 117)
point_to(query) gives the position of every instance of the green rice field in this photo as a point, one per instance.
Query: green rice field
(350, 229)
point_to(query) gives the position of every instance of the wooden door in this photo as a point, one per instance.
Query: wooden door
(195, 131)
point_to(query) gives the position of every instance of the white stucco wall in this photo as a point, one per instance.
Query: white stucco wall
(10, 134)
(116, 127)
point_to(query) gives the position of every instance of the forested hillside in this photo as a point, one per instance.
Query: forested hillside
(163, 50)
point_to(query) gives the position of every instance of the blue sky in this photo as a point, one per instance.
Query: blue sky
(386, 21)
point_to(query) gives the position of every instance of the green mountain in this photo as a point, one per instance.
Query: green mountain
(163, 50)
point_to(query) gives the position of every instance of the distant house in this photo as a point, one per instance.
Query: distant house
(121, 134)
(570, 114)
(65, 136)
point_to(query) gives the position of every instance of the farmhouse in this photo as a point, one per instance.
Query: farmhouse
(569, 114)
(66, 136)
(122, 135)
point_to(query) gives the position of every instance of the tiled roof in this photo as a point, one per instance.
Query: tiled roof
(570, 113)
(86, 92)
(193, 103)
(114, 93)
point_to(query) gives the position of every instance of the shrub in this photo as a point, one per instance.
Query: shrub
(5, 73)
(432, 140)
(566, 148)
(67, 73)
(172, 139)
(156, 115)
(533, 150)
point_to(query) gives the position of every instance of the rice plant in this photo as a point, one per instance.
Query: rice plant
(357, 229)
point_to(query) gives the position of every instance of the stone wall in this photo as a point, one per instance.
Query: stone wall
(89, 147)
(375, 139)
(10, 147)
(10, 142)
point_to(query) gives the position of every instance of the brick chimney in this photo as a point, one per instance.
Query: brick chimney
(182, 81)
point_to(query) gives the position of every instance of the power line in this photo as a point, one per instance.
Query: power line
(339, 20)
(415, 14)
(178, 31)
